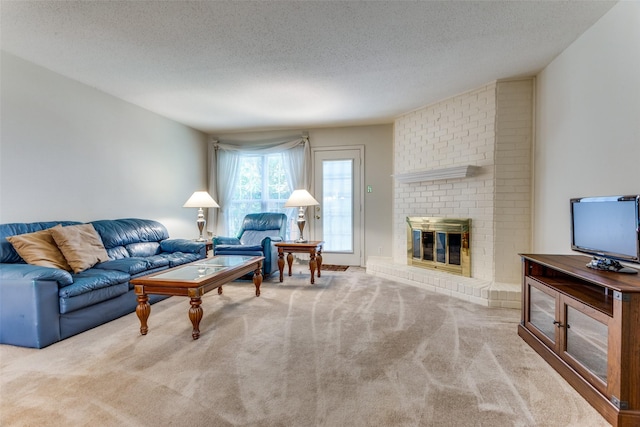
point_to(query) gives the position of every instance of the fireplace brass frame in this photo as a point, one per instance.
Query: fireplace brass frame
(460, 226)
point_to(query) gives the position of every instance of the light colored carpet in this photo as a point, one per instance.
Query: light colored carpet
(351, 350)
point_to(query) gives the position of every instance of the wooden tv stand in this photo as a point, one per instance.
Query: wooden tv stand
(586, 324)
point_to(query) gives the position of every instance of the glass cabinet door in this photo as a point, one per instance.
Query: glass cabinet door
(542, 312)
(586, 342)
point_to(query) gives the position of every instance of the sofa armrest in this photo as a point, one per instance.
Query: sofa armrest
(274, 239)
(29, 312)
(26, 273)
(270, 254)
(183, 245)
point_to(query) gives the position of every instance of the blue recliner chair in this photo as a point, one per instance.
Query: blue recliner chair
(256, 237)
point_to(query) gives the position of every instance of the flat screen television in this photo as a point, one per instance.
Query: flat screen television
(607, 227)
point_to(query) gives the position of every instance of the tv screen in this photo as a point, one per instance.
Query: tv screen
(606, 226)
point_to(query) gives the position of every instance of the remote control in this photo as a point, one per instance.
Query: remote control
(607, 264)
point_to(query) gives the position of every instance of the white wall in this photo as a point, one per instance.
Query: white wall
(378, 166)
(588, 124)
(70, 152)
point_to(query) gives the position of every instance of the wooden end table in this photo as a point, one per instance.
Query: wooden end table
(313, 248)
(193, 280)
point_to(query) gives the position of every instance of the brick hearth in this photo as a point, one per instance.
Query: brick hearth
(483, 292)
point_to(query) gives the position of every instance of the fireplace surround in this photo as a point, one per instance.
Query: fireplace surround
(468, 156)
(440, 244)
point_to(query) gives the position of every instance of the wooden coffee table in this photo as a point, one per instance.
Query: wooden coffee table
(313, 248)
(193, 280)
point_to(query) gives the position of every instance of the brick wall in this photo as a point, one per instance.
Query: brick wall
(513, 169)
(489, 127)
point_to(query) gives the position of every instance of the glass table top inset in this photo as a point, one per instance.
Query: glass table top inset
(224, 261)
(201, 269)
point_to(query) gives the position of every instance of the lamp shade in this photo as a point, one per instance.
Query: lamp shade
(201, 199)
(300, 198)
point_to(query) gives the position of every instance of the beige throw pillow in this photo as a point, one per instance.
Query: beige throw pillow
(81, 245)
(39, 248)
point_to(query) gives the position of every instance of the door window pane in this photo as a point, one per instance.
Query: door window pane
(337, 202)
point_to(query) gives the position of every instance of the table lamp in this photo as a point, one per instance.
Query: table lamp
(201, 199)
(300, 199)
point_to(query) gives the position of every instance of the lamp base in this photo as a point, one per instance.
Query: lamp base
(201, 222)
(301, 223)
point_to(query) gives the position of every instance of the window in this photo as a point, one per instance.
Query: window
(261, 186)
(251, 179)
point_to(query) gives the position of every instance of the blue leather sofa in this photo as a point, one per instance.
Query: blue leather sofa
(257, 235)
(42, 305)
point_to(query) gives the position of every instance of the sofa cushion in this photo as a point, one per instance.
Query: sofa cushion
(179, 258)
(70, 304)
(92, 279)
(143, 249)
(183, 245)
(122, 232)
(265, 221)
(81, 246)
(131, 265)
(7, 253)
(117, 252)
(157, 261)
(254, 237)
(39, 248)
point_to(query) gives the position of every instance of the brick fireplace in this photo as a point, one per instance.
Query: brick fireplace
(467, 157)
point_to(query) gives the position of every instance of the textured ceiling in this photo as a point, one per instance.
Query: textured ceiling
(222, 66)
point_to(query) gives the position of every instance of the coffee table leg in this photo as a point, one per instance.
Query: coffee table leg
(281, 262)
(143, 310)
(319, 262)
(289, 261)
(220, 290)
(195, 314)
(257, 278)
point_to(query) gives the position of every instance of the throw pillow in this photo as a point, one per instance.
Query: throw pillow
(39, 248)
(81, 245)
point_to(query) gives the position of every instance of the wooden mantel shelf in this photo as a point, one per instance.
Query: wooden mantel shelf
(464, 171)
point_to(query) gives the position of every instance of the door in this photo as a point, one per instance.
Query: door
(543, 313)
(339, 218)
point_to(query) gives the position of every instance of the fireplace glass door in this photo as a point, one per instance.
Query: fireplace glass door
(455, 248)
(440, 243)
(444, 248)
(428, 245)
(441, 247)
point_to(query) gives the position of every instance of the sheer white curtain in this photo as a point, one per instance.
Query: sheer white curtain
(223, 167)
(297, 161)
(223, 171)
